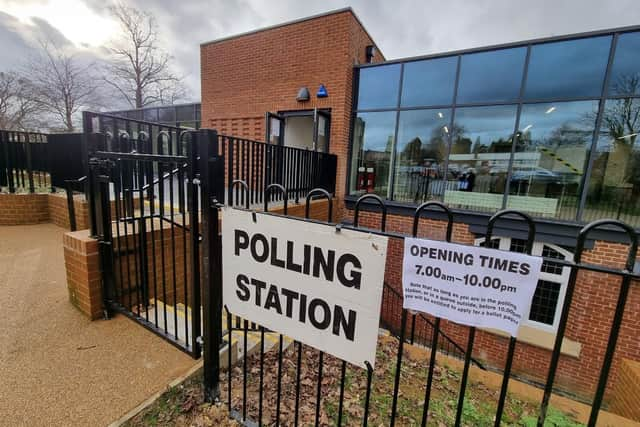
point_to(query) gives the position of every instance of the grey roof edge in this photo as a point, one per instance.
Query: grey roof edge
(297, 21)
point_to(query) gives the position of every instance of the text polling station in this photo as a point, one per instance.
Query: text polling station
(470, 285)
(312, 282)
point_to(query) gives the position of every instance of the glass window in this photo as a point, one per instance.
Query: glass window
(151, 114)
(545, 302)
(553, 145)
(479, 157)
(378, 87)
(185, 113)
(548, 298)
(614, 185)
(423, 138)
(371, 156)
(567, 69)
(429, 82)
(625, 71)
(167, 114)
(491, 76)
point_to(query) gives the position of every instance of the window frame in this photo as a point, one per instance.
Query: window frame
(562, 279)
(578, 217)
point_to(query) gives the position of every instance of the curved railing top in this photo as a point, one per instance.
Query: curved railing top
(378, 199)
(427, 205)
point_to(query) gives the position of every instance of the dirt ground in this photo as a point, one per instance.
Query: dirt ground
(57, 367)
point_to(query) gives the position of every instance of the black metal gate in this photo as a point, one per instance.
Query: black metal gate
(145, 199)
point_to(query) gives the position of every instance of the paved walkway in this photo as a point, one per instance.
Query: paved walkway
(57, 367)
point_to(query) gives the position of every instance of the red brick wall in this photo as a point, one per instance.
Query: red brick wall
(589, 322)
(23, 209)
(59, 212)
(247, 76)
(82, 264)
(625, 396)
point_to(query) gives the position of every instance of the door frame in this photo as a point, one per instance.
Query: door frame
(313, 113)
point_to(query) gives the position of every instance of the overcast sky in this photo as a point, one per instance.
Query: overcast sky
(400, 28)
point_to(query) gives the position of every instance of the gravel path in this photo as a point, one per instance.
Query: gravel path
(57, 367)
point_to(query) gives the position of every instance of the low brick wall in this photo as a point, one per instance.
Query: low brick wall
(59, 212)
(24, 209)
(38, 208)
(624, 398)
(82, 263)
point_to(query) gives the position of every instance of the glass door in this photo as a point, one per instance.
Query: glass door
(321, 126)
(274, 129)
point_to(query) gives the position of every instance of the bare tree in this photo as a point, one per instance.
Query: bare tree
(61, 84)
(141, 70)
(17, 108)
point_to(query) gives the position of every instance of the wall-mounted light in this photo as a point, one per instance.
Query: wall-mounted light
(322, 92)
(303, 94)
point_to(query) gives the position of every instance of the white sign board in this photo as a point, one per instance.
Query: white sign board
(311, 282)
(470, 285)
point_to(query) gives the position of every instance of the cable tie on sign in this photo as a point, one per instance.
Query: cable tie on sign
(254, 216)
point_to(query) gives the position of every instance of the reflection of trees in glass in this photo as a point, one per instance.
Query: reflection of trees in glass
(622, 119)
(415, 152)
(618, 165)
(462, 144)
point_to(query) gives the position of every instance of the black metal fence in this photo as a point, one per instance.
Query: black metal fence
(32, 161)
(24, 163)
(259, 165)
(280, 378)
(147, 186)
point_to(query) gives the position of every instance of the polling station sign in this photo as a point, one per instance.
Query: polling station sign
(316, 284)
(470, 285)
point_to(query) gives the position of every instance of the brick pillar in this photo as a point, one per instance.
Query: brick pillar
(83, 273)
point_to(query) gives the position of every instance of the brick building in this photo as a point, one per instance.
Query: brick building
(538, 126)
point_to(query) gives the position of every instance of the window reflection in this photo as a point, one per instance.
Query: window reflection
(479, 158)
(550, 159)
(614, 186)
(429, 82)
(491, 76)
(422, 147)
(625, 72)
(567, 69)
(378, 87)
(371, 155)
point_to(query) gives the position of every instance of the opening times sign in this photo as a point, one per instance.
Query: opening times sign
(308, 281)
(470, 285)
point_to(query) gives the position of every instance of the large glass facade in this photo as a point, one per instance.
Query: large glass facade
(515, 127)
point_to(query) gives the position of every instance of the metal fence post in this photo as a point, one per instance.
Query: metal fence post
(212, 187)
(27, 150)
(88, 150)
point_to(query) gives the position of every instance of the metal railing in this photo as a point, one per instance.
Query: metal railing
(246, 413)
(24, 161)
(260, 165)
